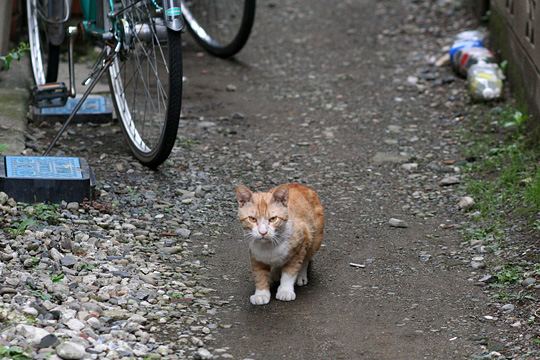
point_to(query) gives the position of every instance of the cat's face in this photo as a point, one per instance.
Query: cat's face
(263, 214)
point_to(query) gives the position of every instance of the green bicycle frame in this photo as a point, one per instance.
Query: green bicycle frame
(96, 18)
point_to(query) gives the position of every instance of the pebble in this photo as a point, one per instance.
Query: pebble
(32, 334)
(477, 264)
(70, 350)
(424, 257)
(385, 157)
(507, 308)
(466, 202)
(183, 232)
(393, 222)
(48, 341)
(75, 324)
(410, 166)
(528, 282)
(487, 279)
(203, 354)
(73, 206)
(3, 198)
(68, 261)
(449, 180)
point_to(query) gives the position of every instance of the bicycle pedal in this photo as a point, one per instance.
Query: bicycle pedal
(50, 95)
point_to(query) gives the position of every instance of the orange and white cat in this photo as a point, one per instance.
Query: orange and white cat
(285, 229)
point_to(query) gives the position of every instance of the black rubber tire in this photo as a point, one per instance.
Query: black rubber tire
(52, 63)
(53, 56)
(241, 38)
(167, 139)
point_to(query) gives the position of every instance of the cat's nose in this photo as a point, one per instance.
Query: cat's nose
(263, 232)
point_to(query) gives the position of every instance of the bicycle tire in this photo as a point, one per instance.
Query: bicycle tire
(208, 38)
(154, 155)
(44, 63)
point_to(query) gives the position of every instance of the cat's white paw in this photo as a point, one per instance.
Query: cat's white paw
(285, 294)
(302, 279)
(261, 297)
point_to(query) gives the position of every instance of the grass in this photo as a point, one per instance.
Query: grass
(502, 174)
(36, 214)
(509, 274)
(504, 169)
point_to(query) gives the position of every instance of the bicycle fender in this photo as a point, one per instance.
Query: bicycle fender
(56, 11)
(173, 14)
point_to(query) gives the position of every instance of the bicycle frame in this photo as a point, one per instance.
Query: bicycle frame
(102, 22)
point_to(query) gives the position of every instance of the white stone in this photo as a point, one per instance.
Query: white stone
(75, 324)
(203, 354)
(397, 223)
(410, 166)
(31, 333)
(70, 350)
(466, 202)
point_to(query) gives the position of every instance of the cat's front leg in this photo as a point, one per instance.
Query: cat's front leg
(285, 290)
(261, 275)
(289, 274)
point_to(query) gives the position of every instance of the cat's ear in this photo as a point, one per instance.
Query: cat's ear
(243, 195)
(281, 195)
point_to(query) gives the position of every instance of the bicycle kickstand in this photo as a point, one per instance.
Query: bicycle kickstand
(92, 80)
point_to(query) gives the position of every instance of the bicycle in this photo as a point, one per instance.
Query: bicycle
(129, 30)
(222, 28)
(141, 51)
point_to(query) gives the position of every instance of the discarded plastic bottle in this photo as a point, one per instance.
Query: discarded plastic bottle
(466, 39)
(468, 56)
(485, 81)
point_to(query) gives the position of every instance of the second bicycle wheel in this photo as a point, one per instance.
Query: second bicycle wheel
(146, 82)
(44, 56)
(221, 27)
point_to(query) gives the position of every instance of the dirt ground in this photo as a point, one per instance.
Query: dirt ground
(339, 96)
(320, 86)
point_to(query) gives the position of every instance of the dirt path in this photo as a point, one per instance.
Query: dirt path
(323, 88)
(337, 95)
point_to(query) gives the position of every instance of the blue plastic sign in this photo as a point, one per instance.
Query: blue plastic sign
(93, 105)
(43, 167)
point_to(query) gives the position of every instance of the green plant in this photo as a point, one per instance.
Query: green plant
(509, 274)
(41, 295)
(504, 176)
(47, 213)
(532, 193)
(13, 352)
(176, 295)
(15, 54)
(85, 266)
(3, 148)
(19, 227)
(57, 277)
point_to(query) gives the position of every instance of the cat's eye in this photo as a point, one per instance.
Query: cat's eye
(252, 219)
(273, 219)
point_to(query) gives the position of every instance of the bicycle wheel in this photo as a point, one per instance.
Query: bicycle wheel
(221, 27)
(44, 56)
(146, 83)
